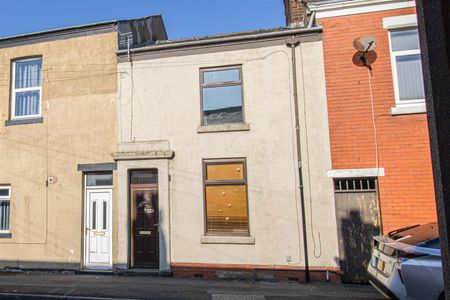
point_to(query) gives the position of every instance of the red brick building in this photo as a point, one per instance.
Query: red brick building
(377, 117)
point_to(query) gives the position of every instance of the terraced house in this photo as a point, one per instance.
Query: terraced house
(273, 153)
(123, 150)
(58, 129)
(377, 119)
(211, 132)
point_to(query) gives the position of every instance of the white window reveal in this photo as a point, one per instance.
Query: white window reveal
(5, 192)
(26, 88)
(406, 64)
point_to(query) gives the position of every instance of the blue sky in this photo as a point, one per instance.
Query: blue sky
(183, 18)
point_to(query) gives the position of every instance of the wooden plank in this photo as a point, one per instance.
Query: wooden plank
(225, 171)
(226, 208)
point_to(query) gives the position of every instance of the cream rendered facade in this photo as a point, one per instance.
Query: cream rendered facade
(39, 160)
(159, 106)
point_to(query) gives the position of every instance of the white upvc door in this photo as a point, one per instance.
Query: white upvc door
(98, 223)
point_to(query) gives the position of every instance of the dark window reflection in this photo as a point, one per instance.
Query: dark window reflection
(144, 176)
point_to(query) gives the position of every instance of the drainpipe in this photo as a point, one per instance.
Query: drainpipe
(312, 19)
(293, 43)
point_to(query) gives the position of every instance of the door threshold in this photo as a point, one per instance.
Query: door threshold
(94, 272)
(139, 272)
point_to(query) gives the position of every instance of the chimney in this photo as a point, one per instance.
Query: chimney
(295, 11)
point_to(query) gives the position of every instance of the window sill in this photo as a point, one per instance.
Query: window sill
(5, 235)
(24, 121)
(408, 109)
(244, 240)
(223, 128)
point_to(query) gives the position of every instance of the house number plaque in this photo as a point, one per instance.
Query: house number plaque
(149, 210)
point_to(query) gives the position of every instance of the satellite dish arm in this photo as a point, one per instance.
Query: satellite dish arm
(368, 47)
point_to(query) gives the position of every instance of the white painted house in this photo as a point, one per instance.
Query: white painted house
(207, 159)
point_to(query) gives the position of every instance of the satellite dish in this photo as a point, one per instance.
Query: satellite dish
(365, 44)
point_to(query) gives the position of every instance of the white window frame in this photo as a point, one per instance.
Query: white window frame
(14, 91)
(6, 198)
(394, 55)
(399, 23)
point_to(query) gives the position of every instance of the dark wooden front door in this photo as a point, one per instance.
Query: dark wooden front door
(145, 225)
(358, 220)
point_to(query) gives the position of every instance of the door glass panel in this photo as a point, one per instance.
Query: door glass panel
(4, 192)
(104, 214)
(4, 215)
(99, 179)
(144, 176)
(94, 214)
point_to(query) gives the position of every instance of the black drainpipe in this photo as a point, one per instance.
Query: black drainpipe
(293, 43)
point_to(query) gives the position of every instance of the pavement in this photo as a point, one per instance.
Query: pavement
(40, 285)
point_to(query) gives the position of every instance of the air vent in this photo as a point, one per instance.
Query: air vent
(355, 185)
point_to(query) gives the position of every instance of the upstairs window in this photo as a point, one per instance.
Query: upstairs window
(221, 90)
(4, 208)
(406, 66)
(26, 88)
(226, 197)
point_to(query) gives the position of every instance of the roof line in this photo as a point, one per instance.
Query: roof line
(62, 29)
(337, 4)
(222, 39)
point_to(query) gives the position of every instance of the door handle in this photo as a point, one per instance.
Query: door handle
(157, 224)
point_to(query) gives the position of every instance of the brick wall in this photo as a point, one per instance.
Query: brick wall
(295, 13)
(254, 272)
(406, 191)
